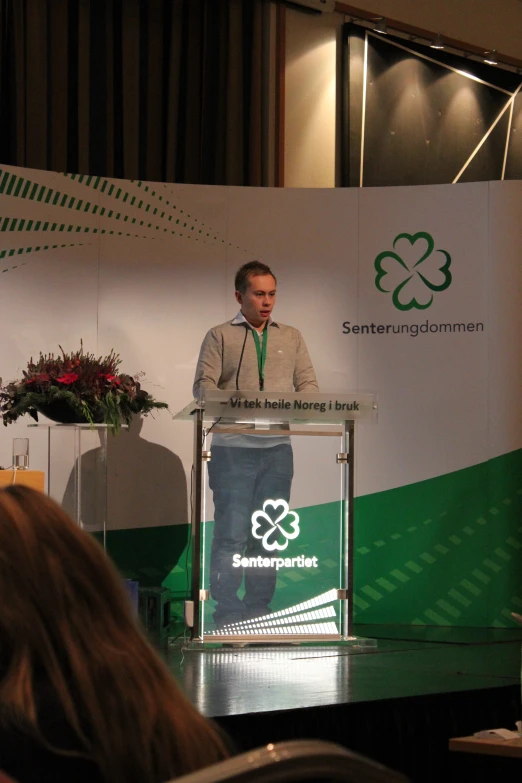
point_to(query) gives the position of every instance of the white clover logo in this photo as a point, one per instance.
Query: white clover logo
(412, 279)
(272, 527)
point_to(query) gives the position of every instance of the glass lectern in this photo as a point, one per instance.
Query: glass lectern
(272, 515)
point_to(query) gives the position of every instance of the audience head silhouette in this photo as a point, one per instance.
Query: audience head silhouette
(79, 683)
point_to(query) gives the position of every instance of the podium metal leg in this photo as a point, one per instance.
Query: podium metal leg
(196, 520)
(348, 525)
(78, 469)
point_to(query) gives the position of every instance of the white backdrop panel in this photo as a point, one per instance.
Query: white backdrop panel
(505, 314)
(159, 293)
(47, 296)
(432, 387)
(161, 274)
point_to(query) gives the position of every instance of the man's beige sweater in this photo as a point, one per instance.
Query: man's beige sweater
(287, 367)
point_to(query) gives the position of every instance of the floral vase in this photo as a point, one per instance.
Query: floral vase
(62, 413)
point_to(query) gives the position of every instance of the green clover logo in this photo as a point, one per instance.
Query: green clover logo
(413, 281)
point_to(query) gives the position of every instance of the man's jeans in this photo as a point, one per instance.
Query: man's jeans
(241, 479)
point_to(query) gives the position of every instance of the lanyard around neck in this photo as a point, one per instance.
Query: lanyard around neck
(261, 355)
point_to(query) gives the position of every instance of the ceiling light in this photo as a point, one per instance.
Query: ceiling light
(381, 26)
(491, 57)
(437, 42)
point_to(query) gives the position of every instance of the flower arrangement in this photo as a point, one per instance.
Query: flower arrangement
(76, 387)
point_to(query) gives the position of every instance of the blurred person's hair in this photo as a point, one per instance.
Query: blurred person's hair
(65, 614)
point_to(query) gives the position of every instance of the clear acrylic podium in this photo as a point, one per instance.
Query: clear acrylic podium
(297, 547)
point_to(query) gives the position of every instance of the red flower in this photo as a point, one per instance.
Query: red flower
(42, 377)
(69, 377)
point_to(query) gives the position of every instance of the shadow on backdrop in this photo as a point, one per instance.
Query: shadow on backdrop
(145, 501)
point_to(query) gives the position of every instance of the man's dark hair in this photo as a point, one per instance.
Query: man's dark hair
(249, 270)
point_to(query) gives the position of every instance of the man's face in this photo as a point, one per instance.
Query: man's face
(258, 300)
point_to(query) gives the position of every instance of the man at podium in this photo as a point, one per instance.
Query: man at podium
(249, 353)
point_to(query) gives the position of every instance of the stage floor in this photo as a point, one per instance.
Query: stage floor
(397, 696)
(403, 661)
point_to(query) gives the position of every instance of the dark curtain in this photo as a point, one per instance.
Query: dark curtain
(164, 90)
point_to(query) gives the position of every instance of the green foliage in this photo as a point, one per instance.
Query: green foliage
(92, 388)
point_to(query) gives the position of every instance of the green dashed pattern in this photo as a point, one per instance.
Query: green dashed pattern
(420, 576)
(17, 224)
(462, 569)
(165, 217)
(35, 249)
(458, 565)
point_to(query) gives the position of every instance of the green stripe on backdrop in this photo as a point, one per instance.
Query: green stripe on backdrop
(446, 551)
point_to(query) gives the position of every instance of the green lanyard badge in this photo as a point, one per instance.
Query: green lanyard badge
(261, 355)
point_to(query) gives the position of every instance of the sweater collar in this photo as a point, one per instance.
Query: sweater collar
(240, 319)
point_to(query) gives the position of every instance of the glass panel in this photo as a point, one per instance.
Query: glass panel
(77, 473)
(272, 534)
(288, 406)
